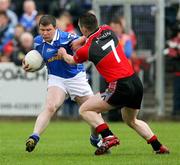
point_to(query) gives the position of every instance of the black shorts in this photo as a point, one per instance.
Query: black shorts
(126, 92)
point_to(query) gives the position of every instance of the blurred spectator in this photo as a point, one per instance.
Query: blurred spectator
(137, 62)
(173, 52)
(171, 12)
(65, 22)
(124, 38)
(19, 30)
(35, 30)
(26, 44)
(130, 33)
(4, 6)
(74, 7)
(6, 36)
(28, 19)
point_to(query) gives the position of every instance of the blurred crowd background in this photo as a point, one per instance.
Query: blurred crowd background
(19, 24)
(19, 20)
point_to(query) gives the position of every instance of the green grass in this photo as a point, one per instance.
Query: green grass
(67, 143)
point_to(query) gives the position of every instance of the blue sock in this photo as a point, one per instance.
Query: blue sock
(94, 137)
(35, 136)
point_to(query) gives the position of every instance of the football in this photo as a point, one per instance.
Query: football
(34, 59)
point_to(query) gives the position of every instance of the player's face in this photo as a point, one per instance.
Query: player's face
(47, 32)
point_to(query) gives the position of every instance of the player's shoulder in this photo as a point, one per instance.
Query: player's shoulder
(38, 39)
(66, 36)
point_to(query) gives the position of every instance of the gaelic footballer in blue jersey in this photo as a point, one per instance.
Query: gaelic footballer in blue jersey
(49, 50)
(63, 79)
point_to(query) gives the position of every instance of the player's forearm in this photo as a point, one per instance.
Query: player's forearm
(69, 59)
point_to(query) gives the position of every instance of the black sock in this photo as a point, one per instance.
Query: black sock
(156, 145)
(106, 132)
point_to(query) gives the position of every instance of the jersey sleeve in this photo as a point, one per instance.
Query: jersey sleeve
(71, 37)
(81, 55)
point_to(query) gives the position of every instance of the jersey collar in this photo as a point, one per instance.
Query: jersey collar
(92, 33)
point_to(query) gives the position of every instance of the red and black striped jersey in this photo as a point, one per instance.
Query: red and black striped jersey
(103, 49)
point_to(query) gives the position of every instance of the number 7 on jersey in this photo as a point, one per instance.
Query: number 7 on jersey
(112, 45)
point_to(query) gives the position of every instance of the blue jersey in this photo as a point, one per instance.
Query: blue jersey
(49, 51)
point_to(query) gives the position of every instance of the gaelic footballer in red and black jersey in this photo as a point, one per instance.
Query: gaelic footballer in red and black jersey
(103, 49)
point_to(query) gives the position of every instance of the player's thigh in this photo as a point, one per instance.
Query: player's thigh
(95, 103)
(129, 114)
(55, 97)
(78, 87)
(81, 99)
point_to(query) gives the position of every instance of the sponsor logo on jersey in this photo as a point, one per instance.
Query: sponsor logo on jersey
(54, 58)
(49, 50)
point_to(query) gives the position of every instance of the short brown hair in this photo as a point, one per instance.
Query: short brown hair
(89, 21)
(47, 20)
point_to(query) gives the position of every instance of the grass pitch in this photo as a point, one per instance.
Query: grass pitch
(67, 143)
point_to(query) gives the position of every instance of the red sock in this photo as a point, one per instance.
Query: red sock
(104, 130)
(154, 143)
(153, 138)
(101, 127)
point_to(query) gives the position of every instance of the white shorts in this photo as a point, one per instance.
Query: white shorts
(75, 86)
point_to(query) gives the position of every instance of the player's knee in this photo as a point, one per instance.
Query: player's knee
(51, 108)
(82, 110)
